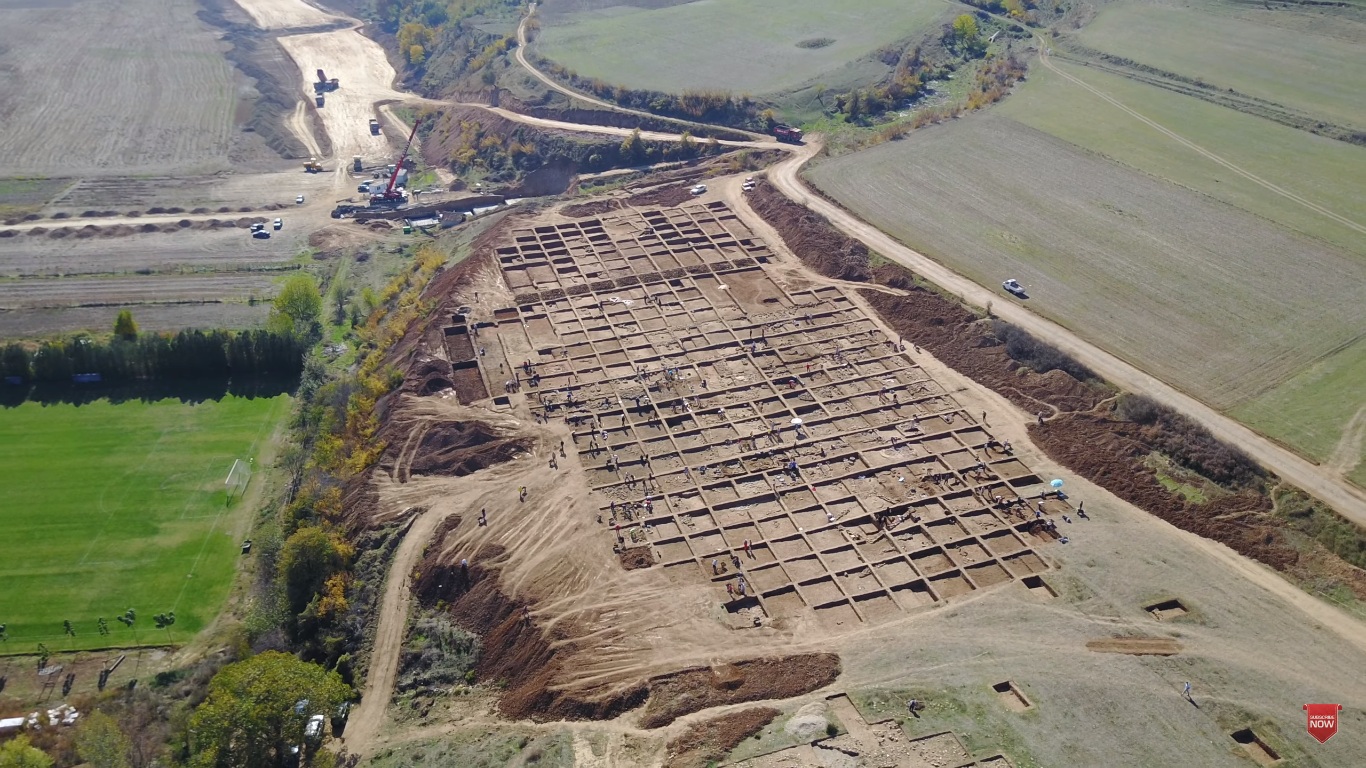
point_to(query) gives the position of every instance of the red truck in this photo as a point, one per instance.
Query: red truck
(787, 133)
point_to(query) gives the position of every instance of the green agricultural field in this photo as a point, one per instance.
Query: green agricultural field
(1311, 410)
(1317, 72)
(1219, 302)
(1329, 173)
(116, 506)
(742, 46)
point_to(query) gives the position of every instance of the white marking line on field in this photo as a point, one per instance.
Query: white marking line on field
(1343, 220)
(267, 425)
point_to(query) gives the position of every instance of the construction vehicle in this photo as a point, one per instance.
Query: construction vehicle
(323, 85)
(356, 164)
(787, 133)
(391, 197)
(374, 127)
(313, 166)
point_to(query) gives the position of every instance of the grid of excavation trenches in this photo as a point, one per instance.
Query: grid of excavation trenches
(722, 417)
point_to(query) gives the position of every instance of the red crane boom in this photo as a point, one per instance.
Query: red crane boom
(390, 197)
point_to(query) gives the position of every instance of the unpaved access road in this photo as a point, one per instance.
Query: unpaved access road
(285, 14)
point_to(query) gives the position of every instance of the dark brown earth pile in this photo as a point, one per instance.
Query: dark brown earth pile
(810, 235)
(527, 661)
(594, 208)
(662, 197)
(693, 690)
(535, 665)
(460, 448)
(1110, 453)
(634, 558)
(710, 740)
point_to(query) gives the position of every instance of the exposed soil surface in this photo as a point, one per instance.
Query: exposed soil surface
(710, 740)
(692, 690)
(594, 208)
(663, 197)
(637, 557)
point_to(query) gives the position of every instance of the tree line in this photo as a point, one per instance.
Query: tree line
(189, 354)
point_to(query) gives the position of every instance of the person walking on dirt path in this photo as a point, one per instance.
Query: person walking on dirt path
(984, 419)
(1186, 691)
(484, 516)
(521, 493)
(1040, 418)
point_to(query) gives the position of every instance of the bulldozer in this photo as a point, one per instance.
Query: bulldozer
(313, 166)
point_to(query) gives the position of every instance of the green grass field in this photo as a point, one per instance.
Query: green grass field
(742, 46)
(110, 507)
(1310, 410)
(1328, 172)
(1317, 72)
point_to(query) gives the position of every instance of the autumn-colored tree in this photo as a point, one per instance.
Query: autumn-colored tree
(125, 327)
(308, 559)
(298, 307)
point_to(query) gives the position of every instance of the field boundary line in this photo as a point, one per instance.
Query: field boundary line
(1315, 207)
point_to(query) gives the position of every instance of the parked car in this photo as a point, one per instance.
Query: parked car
(700, 189)
(279, 223)
(1014, 287)
(261, 234)
(299, 200)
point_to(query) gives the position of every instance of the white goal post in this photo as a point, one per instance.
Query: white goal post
(238, 477)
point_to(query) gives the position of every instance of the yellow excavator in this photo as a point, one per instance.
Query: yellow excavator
(313, 166)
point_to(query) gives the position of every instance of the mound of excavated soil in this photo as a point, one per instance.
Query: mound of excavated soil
(428, 376)
(594, 208)
(459, 448)
(710, 740)
(1110, 452)
(527, 661)
(634, 558)
(823, 248)
(693, 690)
(663, 197)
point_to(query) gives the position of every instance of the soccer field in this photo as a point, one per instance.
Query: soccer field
(117, 506)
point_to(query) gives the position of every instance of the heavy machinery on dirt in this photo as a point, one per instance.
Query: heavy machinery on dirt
(313, 166)
(374, 127)
(392, 196)
(324, 85)
(787, 134)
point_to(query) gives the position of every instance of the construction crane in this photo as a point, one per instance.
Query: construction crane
(392, 198)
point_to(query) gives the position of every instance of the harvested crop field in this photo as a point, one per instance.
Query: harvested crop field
(1328, 173)
(742, 46)
(1212, 299)
(149, 90)
(1255, 53)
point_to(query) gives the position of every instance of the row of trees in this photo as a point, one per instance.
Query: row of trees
(277, 351)
(184, 355)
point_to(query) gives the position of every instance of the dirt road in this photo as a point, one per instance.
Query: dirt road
(285, 14)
